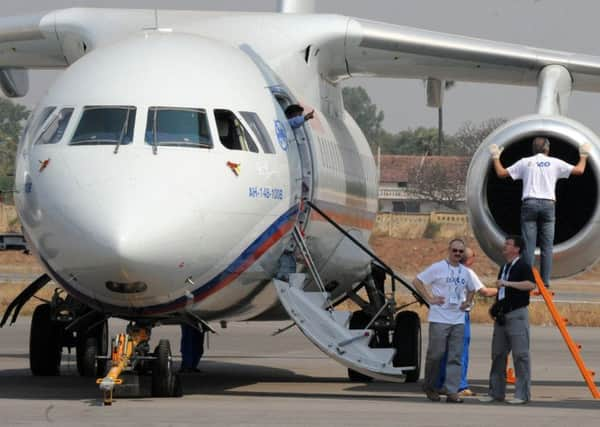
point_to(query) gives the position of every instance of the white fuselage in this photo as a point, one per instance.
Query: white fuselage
(192, 227)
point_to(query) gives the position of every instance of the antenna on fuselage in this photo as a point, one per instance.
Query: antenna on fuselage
(296, 6)
(156, 18)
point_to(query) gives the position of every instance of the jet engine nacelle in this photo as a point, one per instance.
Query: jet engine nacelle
(494, 204)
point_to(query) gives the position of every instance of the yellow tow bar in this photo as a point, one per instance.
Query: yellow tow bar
(123, 348)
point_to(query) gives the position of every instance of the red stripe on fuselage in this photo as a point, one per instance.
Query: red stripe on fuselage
(257, 254)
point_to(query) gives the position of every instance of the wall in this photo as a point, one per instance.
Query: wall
(415, 226)
(8, 218)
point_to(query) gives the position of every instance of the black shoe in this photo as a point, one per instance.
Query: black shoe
(442, 391)
(432, 395)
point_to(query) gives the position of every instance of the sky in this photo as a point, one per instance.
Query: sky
(555, 24)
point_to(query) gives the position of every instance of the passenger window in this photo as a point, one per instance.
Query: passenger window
(181, 127)
(55, 129)
(105, 126)
(259, 130)
(232, 133)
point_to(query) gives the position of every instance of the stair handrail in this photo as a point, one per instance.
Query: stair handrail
(378, 260)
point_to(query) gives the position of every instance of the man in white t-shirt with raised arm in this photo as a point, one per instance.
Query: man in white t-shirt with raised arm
(539, 174)
(449, 281)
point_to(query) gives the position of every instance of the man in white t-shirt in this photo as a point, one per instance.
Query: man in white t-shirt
(450, 281)
(539, 174)
(463, 389)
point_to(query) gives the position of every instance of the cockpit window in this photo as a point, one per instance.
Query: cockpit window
(33, 126)
(54, 130)
(259, 130)
(105, 126)
(232, 133)
(181, 127)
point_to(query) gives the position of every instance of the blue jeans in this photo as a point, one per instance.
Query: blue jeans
(465, 359)
(537, 224)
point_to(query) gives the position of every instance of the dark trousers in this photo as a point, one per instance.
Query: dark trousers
(192, 346)
(511, 337)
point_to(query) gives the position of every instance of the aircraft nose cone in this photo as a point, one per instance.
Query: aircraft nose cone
(126, 227)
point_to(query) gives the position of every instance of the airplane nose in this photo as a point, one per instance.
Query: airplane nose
(127, 227)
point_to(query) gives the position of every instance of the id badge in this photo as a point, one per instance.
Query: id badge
(501, 293)
(455, 298)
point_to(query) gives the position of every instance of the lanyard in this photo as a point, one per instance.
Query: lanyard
(506, 271)
(504, 276)
(455, 290)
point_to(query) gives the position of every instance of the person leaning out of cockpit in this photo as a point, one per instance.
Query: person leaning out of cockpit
(295, 117)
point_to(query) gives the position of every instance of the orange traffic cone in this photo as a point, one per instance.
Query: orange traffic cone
(510, 373)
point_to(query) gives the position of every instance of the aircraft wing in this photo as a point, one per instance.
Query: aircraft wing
(382, 50)
(57, 39)
(349, 46)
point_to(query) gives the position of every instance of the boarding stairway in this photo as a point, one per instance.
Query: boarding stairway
(328, 329)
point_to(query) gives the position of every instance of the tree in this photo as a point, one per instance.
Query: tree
(470, 135)
(441, 180)
(12, 120)
(420, 141)
(366, 114)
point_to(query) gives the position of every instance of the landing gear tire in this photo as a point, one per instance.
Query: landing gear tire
(407, 342)
(164, 382)
(358, 320)
(44, 343)
(88, 348)
(87, 351)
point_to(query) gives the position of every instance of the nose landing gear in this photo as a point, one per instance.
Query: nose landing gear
(130, 352)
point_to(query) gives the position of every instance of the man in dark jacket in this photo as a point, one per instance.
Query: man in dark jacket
(511, 326)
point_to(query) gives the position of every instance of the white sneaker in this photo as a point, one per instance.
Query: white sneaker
(488, 399)
(516, 401)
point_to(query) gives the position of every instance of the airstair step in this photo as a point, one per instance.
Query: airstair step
(342, 318)
(384, 354)
(328, 330)
(318, 299)
(297, 280)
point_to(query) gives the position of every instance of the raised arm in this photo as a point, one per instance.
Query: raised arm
(584, 152)
(500, 170)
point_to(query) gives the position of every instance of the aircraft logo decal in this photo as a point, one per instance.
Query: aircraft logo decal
(281, 135)
(44, 164)
(235, 168)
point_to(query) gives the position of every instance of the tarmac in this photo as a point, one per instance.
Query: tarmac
(250, 378)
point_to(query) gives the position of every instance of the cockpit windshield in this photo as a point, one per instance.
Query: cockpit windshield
(55, 128)
(105, 126)
(183, 127)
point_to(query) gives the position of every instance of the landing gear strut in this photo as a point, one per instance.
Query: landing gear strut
(402, 332)
(130, 352)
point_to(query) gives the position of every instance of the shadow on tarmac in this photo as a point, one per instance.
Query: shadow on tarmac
(230, 379)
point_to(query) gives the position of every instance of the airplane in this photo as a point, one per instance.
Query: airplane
(159, 180)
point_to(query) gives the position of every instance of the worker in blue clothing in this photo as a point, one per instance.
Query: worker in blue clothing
(295, 117)
(463, 390)
(192, 347)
